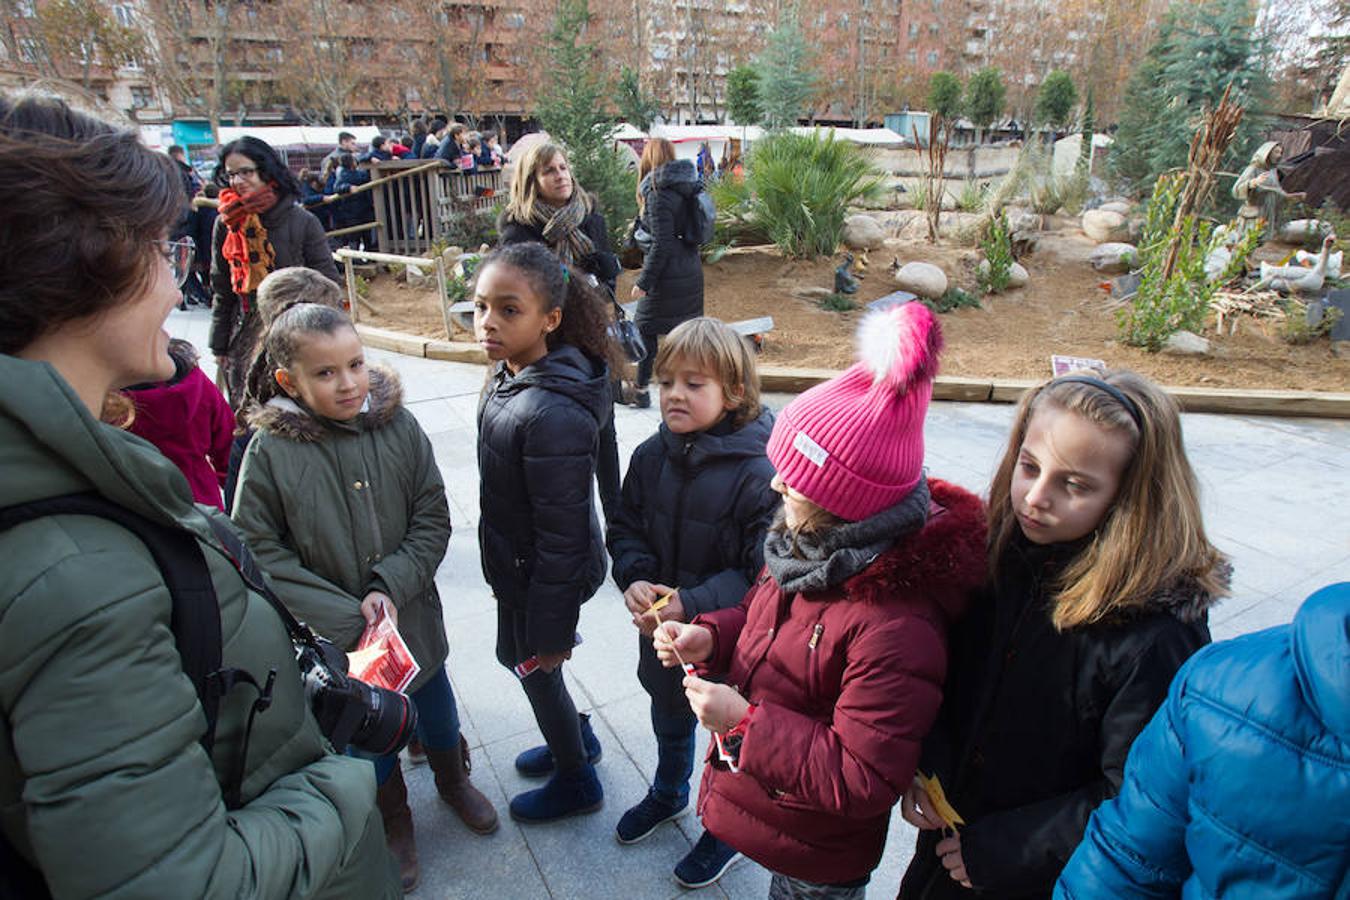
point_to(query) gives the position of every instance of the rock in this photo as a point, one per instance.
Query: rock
(812, 293)
(1186, 343)
(1017, 274)
(1135, 229)
(862, 232)
(924, 279)
(1025, 221)
(1120, 207)
(1101, 225)
(894, 298)
(1113, 258)
(451, 256)
(419, 277)
(1301, 230)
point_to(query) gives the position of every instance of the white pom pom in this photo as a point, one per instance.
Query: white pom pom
(900, 344)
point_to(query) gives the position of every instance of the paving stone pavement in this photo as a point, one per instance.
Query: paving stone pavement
(1276, 496)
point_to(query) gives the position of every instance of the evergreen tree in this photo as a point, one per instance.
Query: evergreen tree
(786, 79)
(985, 95)
(636, 105)
(1056, 99)
(944, 95)
(572, 110)
(1201, 49)
(743, 101)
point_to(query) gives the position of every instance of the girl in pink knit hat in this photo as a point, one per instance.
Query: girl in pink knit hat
(832, 665)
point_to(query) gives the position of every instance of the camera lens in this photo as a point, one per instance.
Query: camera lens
(389, 722)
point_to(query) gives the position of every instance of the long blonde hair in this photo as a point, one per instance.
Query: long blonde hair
(655, 154)
(1152, 536)
(525, 185)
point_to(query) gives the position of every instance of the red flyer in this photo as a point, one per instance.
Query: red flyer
(381, 658)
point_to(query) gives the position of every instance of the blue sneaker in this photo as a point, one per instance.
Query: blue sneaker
(650, 813)
(707, 862)
(537, 762)
(565, 794)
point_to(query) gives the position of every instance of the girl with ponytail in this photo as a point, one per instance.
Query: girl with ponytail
(830, 671)
(543, 551)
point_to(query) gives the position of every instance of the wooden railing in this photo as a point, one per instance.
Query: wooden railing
(417, 203)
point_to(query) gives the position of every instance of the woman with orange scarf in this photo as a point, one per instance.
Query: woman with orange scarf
(261, 228)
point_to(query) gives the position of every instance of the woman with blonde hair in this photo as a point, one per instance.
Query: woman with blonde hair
(1101, 578)
(670, 286)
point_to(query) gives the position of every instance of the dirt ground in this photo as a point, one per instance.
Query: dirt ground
(1064, 310)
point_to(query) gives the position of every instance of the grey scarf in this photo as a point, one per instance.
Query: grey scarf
(825, 559)
(561, 227)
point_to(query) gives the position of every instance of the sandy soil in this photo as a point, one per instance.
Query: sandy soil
(1064, 310)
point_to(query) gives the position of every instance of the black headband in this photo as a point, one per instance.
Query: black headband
(1116, 393)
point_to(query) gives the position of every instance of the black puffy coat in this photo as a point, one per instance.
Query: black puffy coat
(1036, 724)
(542, 549)
(694, 511)
(603, 264)
(672, 271)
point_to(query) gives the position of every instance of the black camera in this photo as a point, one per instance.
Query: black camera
(372, 719)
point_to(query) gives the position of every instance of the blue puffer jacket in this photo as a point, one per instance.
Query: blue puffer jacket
(1239, 787)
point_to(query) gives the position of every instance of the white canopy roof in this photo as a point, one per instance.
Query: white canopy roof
(291, 135)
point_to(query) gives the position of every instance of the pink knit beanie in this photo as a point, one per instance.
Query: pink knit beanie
(854, 445)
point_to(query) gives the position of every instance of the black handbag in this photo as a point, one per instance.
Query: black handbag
(625, 333)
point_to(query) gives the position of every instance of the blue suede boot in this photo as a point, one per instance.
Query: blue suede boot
(538, 761)
(565, 794)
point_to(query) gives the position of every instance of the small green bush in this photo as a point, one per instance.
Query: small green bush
(971, 198)
(801, 187)
(1296, 330)
(997, 247)
(954, 298)
(838, 303)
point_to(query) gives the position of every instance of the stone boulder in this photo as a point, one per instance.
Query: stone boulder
(1186, 343)
(1017, 274)
(1120, 207)
(1113, 258)
(1022, 220)
(1103, 225)
(1298, 231)
(923, 279)
(421, 278)
(862, 232)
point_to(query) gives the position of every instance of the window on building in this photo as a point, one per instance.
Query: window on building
(515, 20)
(913, 29)
(274, 55)
(27, 8)
(933, 28)
(142, 97)
(912, 56)
(932, 57)
(29, 50)
(125, 15)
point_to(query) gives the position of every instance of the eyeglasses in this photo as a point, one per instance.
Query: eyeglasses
(243, 172)
(178, 254)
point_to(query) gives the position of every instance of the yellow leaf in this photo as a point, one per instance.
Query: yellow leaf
(938, 796)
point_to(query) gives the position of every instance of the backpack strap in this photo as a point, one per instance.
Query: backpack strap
(195, 617)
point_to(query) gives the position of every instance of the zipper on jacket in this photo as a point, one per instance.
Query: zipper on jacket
(815, 635)
(674, 573)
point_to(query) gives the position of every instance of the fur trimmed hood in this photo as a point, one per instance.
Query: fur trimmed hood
(945, 559)
(285, 418)
(1185, 599)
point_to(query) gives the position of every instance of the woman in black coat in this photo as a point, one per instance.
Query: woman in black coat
(548, 207)
(670, 285)
(260, 228)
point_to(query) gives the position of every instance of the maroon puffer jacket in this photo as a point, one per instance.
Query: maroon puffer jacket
(847, 683)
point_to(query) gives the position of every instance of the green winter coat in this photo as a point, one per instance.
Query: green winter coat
(334, 510)
(103, 782)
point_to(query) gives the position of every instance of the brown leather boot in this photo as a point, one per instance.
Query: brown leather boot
(451, 768)
(392, 800)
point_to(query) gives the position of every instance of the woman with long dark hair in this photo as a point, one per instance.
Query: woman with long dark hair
(109, 780)
(670, 285)
(261, 228)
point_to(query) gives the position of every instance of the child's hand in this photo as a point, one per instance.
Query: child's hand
(718, 706)
(374, 602)
(550, 661)
(694, 643)
(674, 610)
(639, 597)
(949, 851)
(917, 809)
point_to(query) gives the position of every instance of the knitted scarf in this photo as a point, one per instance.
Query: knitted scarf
(814, 561)
(561, 227)
(246, 248)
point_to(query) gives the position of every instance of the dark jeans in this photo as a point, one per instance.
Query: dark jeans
(644, 369)
(673, 723)
(437, 723)
(554, 711)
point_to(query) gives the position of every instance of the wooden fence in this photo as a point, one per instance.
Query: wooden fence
(417, 205)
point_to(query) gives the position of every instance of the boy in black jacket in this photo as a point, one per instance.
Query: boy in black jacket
(687, 538)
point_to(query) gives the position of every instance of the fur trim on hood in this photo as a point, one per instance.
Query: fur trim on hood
(945, 559)
(285, 418)
(1186, 599)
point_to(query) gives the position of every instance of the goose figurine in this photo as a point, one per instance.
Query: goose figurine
(1297, 279)
(1304, 258)
(844, 282)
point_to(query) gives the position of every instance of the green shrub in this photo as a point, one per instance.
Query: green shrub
(838, 303)
(954, 298)
(997, 246)
(1296, 329)
(972, 196)
(801, 187)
